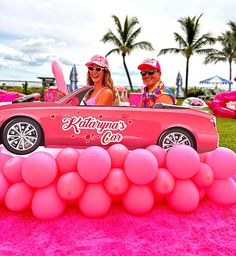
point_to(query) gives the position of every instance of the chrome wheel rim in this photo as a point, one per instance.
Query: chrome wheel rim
(175, 138)
(22, 136)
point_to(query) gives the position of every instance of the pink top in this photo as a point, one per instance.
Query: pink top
(92, 101)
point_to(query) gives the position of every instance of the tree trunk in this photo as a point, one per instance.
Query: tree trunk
(230, 73)
(186, 78)
(127, 73)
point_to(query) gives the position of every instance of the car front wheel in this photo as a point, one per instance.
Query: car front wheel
(21, 136)
(176, 136)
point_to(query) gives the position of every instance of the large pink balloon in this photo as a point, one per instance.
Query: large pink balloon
(182, 161)
(95, 201)
(164, 182)
(18, 197)
(184, 197)
(204, 177)
(118, 153)
(46, 204)
(141, 166)
(159, 153)
(138, 200)
(116, 183)
(223, 191)
(222, 161)
(3, 159)
(12, 169)
(94, 164)
(39, 169)
(4, 185)
(67, 160)
(70, 186)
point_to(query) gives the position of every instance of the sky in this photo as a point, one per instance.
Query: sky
(33, 33)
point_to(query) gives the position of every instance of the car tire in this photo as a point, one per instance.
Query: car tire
(176, 136)
(22, 135)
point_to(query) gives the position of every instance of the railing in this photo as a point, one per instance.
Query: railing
(20, 82)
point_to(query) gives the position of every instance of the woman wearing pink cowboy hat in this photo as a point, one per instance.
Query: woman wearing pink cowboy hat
(99, 77)
(154, 91)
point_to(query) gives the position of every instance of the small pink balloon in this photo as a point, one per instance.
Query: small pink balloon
(95, 201)
(18, 197)
(222, 191)
(46, 203)
(184, 197)
(116, 182)
(67, 160)
(118, 154)
(203, 157)
(12, 169)
(4, 185)
(141, 166)
(164, 182)
(94, 164)
(159, 153)
(204, 177)
(182, 161)
(159, 198)
(3, 159)
(222, 161)
(39, 169)
(202, 193)
(138, 200)
(70, 186)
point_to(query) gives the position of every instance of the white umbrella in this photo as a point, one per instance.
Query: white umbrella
(179, 92)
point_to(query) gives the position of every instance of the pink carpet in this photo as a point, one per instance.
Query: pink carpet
(209, 230)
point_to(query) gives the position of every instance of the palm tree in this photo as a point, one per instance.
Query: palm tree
(192, 42)
(124, 40)
(228, 52)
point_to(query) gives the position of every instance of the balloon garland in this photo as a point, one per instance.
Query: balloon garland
(94, 178)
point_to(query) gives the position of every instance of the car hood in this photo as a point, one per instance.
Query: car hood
(28, 105)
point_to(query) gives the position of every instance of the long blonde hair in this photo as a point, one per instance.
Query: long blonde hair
(107, 82)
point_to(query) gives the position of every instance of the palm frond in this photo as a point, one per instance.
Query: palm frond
(116, 50)
(169, 50)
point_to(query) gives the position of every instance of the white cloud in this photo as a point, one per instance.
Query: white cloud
(70, 31)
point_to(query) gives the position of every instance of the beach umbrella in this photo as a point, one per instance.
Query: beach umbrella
(217, 80)
(73, 79)
(179, 92)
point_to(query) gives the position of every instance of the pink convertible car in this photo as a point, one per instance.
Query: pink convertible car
(69, 122)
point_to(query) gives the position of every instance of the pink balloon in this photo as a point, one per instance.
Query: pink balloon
(116, 182)
(12, 169)
(138, 200)
(222, 161)
(182, 161)
(94, 164)
(46, 204)
(70, 186)
(3, 159)
(118, 154)
(4, 185)
(159, 153)
(95, 201)
(39, 169)
(164, 182)
(202, 193)
(141, 166)
(184, 197)
(67, 160)
(204, 177)
(222, 191)
(18, 197)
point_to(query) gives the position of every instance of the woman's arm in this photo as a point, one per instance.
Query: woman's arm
(164, 98)
(105, 98)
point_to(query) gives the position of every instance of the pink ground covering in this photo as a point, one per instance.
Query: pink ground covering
(209, 230)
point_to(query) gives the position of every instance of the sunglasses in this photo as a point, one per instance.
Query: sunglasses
(150, 72)
(97, 69)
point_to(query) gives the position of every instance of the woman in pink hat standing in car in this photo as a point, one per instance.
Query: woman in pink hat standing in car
(99, 77)
(154, 91)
